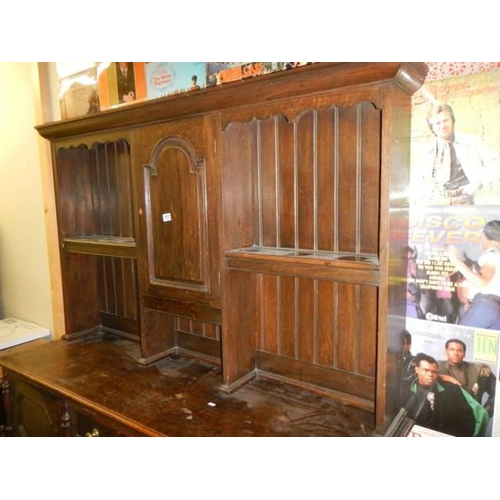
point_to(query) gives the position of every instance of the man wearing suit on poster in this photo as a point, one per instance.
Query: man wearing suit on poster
(443, 406)
(477, 380)
(455, 166)
(125, 81)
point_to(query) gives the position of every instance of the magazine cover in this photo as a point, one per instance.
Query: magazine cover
(121, 83)
(224, 72)
(259, 68)
(78, 95)
(166, 78)
(219, 73)
(449, 357)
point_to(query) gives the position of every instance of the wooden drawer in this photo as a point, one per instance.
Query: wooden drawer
(89, 423)
(32, 410)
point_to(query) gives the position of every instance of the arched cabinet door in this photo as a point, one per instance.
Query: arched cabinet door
(176, 220)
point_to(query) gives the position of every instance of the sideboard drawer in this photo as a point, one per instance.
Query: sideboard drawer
(89, 423)
(34, 410)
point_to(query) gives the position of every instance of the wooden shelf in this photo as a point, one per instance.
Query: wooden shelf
(309, 264)
(111, 246)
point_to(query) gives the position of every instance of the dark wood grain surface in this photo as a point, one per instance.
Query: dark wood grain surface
(177, 396)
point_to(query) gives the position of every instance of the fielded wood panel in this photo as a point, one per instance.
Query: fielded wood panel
(36, 414)
(178, 211)
(176, 192)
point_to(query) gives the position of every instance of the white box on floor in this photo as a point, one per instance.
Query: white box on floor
(15, 331)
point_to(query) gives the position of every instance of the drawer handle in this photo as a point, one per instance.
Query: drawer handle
(93, 434)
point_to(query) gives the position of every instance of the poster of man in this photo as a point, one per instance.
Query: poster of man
(455, 142)
(443, 406)
(457, 357)
(453, 272)
(454, 248)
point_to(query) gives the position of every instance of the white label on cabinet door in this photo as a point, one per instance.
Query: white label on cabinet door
(167, 217)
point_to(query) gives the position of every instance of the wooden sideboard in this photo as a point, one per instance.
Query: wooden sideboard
(258, 226)
(95, 387)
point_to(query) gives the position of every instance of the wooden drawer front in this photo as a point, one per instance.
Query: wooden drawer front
(36, 413)
(89, 423)
(86, 426)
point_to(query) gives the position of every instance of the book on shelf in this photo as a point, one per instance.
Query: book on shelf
(167, 78)
(220, 73)
(78, 94)
(223, 72)
(121, 83)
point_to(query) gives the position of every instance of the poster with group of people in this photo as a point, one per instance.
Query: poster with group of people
(450, 348)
